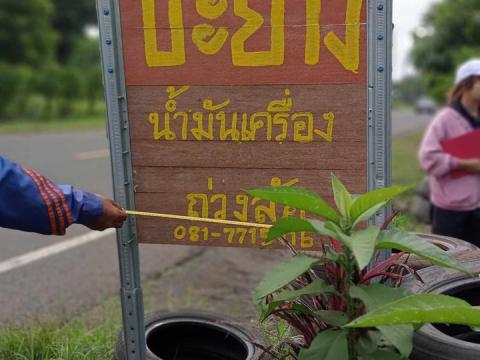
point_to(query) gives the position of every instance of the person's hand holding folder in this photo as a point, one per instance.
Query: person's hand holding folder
(471, 166)
(467, 149)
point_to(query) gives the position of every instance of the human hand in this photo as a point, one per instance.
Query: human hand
(470, 165)
(113, 216)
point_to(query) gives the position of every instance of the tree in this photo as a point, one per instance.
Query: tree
(455, 32)
(69, 21)
(27, 41)
(86, 58)
(48, 82)
(26, 35)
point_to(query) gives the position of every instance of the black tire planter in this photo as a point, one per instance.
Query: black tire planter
(447, 342)
(454, 247)
(197, 335)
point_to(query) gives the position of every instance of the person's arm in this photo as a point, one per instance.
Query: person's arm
(31, 202)
(469, 165)
(433, 159)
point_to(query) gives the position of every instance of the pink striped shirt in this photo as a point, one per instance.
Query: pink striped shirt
(460, 194)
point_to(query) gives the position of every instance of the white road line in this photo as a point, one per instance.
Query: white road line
(94, 154)
(28, 258)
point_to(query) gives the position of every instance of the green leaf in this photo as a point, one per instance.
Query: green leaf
(293, 224)
(298, 198)
(368, 342)
(387, 354)
(266, 310)
(289, 225)
(361, 243)
(296, 308)
(331, 317)
(317, 287)
(366, 201)
(342, 197)
(421, 309)
(338, 233)
(328, 345)
(282, 328)
(400, 336)
(375, 296)
(372, 345)
(369, 213)
(322, 229)
(284, 274)
(402, 240)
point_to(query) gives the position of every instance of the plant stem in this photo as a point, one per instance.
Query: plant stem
(350, 269)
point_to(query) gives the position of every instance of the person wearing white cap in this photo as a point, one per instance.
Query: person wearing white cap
(455, 200)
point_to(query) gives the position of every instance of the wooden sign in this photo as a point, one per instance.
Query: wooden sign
(226, 95)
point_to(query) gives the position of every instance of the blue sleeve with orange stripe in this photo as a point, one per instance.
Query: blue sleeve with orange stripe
(32, 202)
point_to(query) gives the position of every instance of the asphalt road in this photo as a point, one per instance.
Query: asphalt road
(58, 286)
(407, 122)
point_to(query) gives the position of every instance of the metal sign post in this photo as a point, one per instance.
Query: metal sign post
(380, 30)
(119, 138)
(377, 121)
(379, 82)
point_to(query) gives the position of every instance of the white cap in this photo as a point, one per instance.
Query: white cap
(467, 69)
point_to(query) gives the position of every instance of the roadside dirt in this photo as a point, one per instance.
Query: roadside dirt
(221, 280)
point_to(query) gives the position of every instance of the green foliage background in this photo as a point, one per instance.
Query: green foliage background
(48, 67)
(455, 32)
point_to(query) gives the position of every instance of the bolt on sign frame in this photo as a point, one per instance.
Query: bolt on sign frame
(236, 94)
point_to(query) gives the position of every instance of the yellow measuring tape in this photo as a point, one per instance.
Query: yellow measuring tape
(191, 218)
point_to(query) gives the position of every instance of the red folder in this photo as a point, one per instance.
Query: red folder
(464, 147)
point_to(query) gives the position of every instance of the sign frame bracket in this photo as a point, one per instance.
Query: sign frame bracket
(380, 45)
(379, 144)
(119, 138)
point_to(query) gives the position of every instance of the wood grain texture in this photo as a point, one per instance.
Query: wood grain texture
(169, 175)
(185, 191)
(236, 205)
(332, 13)
(179, 181)
(218, 69)
(346, 102)
(252, 98)
(316, 156)
(197, 234)
(204, 130)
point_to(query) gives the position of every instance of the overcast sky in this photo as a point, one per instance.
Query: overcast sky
(407, 15)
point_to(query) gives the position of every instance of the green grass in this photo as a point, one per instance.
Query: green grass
(68, 124)
(401, 106)
(89, 336)
(406, 171)
(405, 167)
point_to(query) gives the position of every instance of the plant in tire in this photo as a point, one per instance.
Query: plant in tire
(330, 301)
